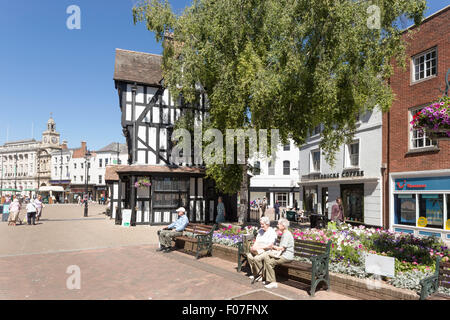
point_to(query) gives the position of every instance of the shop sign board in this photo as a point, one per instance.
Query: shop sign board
(428, 184)
(126, 217)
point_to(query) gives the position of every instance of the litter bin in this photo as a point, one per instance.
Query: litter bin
(290, 215)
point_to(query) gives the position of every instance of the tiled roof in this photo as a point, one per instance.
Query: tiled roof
(139, 67)
(112, 147)
(159, 169)
(111, 172)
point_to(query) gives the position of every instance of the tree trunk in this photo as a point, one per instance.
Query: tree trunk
(243, 203)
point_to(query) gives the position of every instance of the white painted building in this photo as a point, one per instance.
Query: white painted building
(26, 165)
(277, 180)
(356, 176)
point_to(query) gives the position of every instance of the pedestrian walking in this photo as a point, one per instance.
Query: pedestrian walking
(220, 211)
(337, 211)
(264, 207)
(277, 210)
(31, 213)
(39, 206)
(14, 210)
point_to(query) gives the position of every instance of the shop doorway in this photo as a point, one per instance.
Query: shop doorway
(353, 202)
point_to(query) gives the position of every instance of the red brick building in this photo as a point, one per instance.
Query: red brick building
(417, 169)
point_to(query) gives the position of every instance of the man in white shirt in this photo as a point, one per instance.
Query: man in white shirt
(264, 241)
(31, 213)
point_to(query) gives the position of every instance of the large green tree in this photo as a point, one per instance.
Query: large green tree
(285, 64)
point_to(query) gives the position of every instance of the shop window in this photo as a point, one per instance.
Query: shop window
(310, 199)
(405, 209)
(431, 206)
(282, 199)
(353, 202)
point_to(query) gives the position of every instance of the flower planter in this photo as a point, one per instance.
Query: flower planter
(439, 135)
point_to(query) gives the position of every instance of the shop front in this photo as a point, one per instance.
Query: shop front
(420, 204)
(361, 197)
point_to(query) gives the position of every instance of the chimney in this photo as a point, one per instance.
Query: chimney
(64, 145)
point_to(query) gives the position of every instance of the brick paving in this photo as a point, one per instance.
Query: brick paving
(115, 263)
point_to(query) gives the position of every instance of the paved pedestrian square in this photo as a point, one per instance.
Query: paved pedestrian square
(115, 263)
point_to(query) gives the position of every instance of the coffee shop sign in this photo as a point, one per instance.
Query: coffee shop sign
(344, 174)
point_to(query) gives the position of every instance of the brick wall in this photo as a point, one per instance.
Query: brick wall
(434, 32)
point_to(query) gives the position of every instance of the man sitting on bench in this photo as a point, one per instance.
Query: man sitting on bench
(173, 230)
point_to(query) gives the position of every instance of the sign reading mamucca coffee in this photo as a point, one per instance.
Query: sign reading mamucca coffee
(344, 174)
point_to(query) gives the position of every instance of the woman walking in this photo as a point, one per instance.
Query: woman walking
(14, 210)
(220, 211)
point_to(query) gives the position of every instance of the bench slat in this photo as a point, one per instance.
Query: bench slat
(308, 251)
(315, 243)
(310, 247)
(188, 239)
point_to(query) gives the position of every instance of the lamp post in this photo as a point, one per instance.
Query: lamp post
(87, 156)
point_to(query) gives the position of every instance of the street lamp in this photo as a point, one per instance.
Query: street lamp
(87, 156)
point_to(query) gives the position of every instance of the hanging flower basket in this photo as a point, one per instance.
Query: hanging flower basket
(434, 119)
(142, 183)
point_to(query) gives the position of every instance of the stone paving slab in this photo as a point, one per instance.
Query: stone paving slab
(115, 263)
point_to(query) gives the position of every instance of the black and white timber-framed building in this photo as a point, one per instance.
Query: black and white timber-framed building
(149, 114)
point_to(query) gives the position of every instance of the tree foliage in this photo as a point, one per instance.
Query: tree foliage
(286, 64)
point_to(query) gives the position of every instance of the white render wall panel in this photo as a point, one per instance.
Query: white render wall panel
(139, 111)
(165, 115)
(163, 138)
(128, 112)
(141, 156)
(165, 98)
(151, 93)
(155, 114)
(140, 94)
(142, 135)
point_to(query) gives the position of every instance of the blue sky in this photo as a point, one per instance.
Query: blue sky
(45, 67)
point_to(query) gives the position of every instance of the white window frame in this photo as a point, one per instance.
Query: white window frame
(347, 155)
(412, 112)
(311, 161)
(413, 65)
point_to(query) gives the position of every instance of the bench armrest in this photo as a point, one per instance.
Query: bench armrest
(429, 286)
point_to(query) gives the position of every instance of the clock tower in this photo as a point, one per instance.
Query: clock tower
(50, 138)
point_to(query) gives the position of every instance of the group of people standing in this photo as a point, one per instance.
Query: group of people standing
(34, 211)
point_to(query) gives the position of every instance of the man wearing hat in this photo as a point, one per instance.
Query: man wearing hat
(173, 230)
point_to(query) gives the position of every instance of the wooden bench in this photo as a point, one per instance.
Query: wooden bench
(197, 237)
(298, 273)
(440, 278)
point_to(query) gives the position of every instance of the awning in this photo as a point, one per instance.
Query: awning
(51, 188)
(11, 189)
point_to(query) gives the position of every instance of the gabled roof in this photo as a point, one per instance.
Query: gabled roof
(139, 67)
(112, 147)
